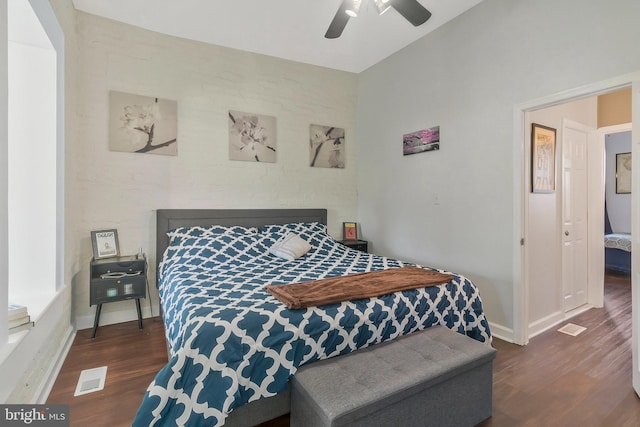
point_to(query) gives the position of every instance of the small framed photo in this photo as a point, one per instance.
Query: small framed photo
(105, 244)
(349, 231)
(623, 173)
(543, 159)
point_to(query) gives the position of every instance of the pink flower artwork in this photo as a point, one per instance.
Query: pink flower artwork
(422, 140)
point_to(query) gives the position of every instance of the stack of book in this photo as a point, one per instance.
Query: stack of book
(18, 318)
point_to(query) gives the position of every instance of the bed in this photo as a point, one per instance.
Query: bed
(617, 248)
(233, 346)
(617, 252)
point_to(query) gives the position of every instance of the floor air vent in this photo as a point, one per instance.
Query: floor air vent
(91, 380)
(571, 329)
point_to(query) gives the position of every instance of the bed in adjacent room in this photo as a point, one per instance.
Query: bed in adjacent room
(617, 252)
(233, 346)
(617, 248)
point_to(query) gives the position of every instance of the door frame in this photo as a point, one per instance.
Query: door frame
(635, 233)
(520, 206)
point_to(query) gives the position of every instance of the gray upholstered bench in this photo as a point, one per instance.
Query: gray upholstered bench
(435, 377)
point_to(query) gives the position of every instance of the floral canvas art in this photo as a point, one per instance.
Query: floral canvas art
(142, 124)
(252, 137)
(326, 146)
(420, 141)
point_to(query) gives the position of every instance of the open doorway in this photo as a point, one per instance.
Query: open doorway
(617, 226)
(520, 258)
(558, 222)
(546, 228)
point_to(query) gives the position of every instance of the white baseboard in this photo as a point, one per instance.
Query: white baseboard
(568, 315)
(42, 393)
(554, 319)
(547, 322)
(108, 317)
(501, 332)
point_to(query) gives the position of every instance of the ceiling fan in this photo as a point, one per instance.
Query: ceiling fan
(412, 11)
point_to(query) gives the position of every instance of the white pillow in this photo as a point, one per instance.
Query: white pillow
(290, 247)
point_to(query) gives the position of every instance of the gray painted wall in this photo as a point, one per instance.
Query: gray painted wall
(454, 208)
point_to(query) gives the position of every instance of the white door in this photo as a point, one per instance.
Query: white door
(575, 138)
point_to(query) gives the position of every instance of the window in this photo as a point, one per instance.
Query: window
(34, 156)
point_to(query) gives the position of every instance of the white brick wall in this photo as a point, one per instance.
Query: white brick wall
(122, 190)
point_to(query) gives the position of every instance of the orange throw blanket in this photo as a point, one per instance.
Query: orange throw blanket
(356, 286)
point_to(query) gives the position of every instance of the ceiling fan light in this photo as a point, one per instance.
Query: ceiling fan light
(382, 5)
(353, 8)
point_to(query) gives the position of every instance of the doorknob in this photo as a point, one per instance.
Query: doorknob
(566, 233)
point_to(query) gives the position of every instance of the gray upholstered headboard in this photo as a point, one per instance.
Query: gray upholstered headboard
(168, 219)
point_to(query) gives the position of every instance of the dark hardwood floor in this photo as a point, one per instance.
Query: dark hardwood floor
(556, 380)
(560, 380)
(132, 356)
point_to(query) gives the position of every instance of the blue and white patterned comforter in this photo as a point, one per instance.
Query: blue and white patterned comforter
(232, 342)
(620, 241)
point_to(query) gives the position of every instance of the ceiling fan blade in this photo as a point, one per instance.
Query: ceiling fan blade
(412, 11)
(339, 22)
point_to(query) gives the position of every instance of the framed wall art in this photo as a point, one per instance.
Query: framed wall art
(142, 124)
(623, 173)
(326, 146)
(252, 137)
(543, 159)
(105, 244)
(421, 141)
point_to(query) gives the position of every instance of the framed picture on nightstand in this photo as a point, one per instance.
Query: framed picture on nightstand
(105, 244)
(349, 231)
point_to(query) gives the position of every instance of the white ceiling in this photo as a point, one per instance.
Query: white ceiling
(289, 29)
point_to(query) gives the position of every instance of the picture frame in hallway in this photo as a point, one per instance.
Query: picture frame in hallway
(543, 159)
(105, 244)
(623, 173)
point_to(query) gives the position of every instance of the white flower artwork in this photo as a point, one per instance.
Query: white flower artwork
(326, 146)
(142, 124)
(252, 137)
